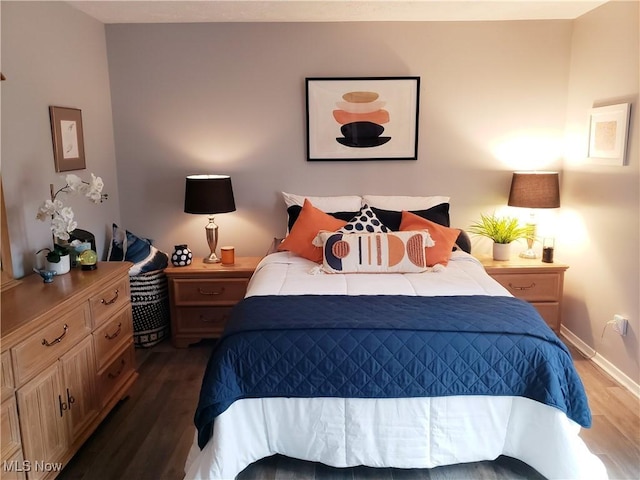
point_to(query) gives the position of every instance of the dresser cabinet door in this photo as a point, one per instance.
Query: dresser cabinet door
(79, 387)
(42, 422)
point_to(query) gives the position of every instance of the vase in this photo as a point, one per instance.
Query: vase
(61, 267)
(501, 251)
(181, 256)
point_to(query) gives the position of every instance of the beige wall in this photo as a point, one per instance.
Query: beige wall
(601, 204)
(52, 54)
(229, 98)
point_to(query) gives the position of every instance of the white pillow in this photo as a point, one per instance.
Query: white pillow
(346, 203)
(398, 202)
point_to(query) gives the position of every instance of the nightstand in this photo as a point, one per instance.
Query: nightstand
(202, 295)
(538, 283)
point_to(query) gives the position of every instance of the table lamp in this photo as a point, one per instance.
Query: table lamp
(208, 195)
(534, 190)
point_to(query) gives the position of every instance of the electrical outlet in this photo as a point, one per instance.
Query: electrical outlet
(620, 324)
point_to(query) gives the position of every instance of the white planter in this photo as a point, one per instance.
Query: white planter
(501, 251)
(61, 267)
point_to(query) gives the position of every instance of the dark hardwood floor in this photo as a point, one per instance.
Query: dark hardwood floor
(148, 435)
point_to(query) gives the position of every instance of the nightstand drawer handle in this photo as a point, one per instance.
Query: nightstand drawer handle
(111, 337)
(213, 319)
(204, 292)
(528, 287)
(109, 302)
(56, 340)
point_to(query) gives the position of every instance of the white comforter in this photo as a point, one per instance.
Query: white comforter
(404, 432)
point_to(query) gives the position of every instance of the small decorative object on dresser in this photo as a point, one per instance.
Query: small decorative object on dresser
(502, 230)
(202, 295)
(181, 256)
(540, 284)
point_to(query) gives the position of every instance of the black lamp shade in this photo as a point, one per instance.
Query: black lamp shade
(209, 194)
(535, 190)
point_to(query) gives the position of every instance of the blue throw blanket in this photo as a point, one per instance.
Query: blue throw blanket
(387, 346)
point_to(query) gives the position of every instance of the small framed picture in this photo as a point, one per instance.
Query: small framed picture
(67, 135)
(608, 131)
(368, 118)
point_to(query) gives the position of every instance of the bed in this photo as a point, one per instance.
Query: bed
(404, 368)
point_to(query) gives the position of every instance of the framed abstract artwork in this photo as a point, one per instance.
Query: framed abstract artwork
(362, 118)
(67, 135)
(608, 131)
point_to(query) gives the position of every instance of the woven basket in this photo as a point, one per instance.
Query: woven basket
(150, 305)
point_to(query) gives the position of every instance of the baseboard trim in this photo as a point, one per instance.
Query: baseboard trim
(601, 362)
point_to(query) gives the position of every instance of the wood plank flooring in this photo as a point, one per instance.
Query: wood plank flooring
(148, 435)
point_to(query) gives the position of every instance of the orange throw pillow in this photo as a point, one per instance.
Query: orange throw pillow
(310, 221)
(444, 237)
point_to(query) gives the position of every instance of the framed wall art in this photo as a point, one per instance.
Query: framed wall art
(362, 118)
(608, 131)
(67, 135)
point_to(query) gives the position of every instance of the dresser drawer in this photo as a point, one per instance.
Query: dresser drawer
(550, 312)
(108, 338)
(46, 346)
(532, 287)
(202, 319)
(116, 374)
(109, 300)
(9, 427)
(228, 291)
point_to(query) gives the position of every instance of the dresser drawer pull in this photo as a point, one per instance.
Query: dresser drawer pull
(109, 302)
(111, 337)
(528, 287)
(70, 399)
(57, 340)
(204, 292)
(117, 374)
(63, 405)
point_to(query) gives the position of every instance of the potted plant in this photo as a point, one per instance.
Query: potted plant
(58, 260)
(502, 230)
(62, 219)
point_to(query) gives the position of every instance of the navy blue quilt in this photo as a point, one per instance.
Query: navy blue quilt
(386, 346)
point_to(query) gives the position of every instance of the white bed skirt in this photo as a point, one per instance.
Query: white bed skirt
(401, 433)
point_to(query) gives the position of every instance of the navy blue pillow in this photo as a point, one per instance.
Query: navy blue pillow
(392, 219)
(294, 211)
(144, 256)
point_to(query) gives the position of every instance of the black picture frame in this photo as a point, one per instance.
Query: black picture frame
(362, 118)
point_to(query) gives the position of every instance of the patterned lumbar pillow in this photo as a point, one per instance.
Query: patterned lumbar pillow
(364, 222)
(395, 252)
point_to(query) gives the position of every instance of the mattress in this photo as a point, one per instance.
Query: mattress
(419, 432)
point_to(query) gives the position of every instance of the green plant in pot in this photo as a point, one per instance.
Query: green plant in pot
(58, 259)
(502, 230)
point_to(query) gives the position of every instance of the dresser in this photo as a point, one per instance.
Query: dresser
(540, 284)
(202, 295)
(67, 358)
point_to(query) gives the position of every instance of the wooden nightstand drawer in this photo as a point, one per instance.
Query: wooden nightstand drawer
(533, 287)
(202, 319)
(539, 283)
(227, 291)
(111, 336)
(202, 295)
(47, 345)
